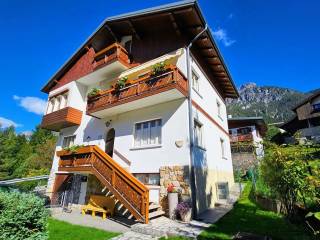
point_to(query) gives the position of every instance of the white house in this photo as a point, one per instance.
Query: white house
(143, 98)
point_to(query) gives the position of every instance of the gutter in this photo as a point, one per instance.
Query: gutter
(190, 117)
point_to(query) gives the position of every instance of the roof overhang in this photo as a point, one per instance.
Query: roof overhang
(186, 18)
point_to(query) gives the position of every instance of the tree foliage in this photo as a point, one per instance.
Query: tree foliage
(291, 174)
(22, 216)
(22, 156)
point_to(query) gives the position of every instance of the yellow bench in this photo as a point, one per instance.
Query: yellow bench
(102, 204)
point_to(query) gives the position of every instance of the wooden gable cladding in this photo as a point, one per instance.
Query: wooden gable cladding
(305, 111)
(80, 68)
(66, 117)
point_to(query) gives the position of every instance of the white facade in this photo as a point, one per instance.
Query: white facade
(209, 111)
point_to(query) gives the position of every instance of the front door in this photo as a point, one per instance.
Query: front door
(110, 142)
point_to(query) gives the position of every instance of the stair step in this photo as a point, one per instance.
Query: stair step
(157, 213)
(153, 206)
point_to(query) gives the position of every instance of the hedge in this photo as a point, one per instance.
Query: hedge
(22, 216)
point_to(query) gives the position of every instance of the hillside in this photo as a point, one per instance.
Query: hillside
(272, 103)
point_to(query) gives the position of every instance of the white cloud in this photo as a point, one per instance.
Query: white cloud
(222, 36)
(32, 104)
(4, 123)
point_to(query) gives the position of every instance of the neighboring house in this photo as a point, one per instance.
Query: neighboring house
(246, 138)
(307, 118)
(146, 122)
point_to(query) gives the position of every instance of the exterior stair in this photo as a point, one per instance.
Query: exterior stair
(132, 197)
(155, 211)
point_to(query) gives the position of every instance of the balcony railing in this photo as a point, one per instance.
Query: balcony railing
(146, 86)
(110, 54)
(241, 138)
(65, 117)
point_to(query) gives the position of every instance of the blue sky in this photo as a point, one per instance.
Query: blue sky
(268, 42)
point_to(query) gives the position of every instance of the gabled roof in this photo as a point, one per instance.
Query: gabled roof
(247, 121)
(186, 16)
(315, 94)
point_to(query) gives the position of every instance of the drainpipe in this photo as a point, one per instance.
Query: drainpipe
(191, 165)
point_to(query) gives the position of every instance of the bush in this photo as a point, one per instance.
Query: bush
(22, 216)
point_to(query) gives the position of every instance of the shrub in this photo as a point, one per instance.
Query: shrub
(22, 216)
(121, 83)
(158, 68)
(93, 92)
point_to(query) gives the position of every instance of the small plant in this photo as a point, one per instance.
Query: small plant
(183, 208)
(158, 68)
(171, 188)
(73, 148)
(94, 92)
(121, 83)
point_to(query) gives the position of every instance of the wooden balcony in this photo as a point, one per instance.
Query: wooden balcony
(110, 54)
(241, 138)
(142, 92)
(66, 117)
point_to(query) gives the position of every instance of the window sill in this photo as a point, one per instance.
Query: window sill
(145, 147)
(200, 147)
(224, 158)
(197, 92)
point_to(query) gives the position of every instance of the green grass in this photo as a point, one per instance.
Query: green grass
(62, 230)
(246, 216)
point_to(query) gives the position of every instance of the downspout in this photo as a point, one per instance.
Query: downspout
(191, 165)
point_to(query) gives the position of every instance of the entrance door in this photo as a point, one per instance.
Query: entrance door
(110, 142)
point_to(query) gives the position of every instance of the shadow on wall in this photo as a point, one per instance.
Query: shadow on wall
(203, 197)
(95, 130)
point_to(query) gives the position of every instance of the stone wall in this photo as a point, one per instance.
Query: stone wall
(179, 177)
(243, 161)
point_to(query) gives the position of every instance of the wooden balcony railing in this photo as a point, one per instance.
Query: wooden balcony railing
(110, 54)
(124, 186)
(241, 138)
(65, 117)
(142, 87)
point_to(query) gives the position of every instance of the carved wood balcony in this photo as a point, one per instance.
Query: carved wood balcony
(142, 92)
(110, 54)
(124, 186)
(57, 120)
(241, 138)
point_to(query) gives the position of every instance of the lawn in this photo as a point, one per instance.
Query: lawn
(246, 216)
(62, 230)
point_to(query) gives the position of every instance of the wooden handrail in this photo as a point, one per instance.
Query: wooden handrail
(127, 189)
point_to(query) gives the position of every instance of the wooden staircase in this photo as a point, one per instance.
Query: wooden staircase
(131, 195)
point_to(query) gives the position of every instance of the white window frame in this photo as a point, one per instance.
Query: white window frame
(219, 108)
(68, 136)
(200, 144)
(197, 87)
(143, 146)
(223, 148)
(58, 102)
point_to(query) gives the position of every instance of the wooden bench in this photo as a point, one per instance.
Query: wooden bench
(102, 204)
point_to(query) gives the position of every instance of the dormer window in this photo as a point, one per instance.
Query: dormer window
(57, 102)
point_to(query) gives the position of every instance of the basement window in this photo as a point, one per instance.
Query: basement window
(148, 178)
(223, 190)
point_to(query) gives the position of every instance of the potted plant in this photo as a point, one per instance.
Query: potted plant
(158, 68)
(184, 211)
(172, 200)
(121, 83)
(93, 92)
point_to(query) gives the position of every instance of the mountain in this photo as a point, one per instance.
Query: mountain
(272, 103)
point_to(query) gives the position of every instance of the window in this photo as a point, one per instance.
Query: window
(195, 81)
(198, 141)
(68, 141)
(148, 178)
(222, 190)
(244, 131)
(219, 109)
(147, 133)
(223, 150)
